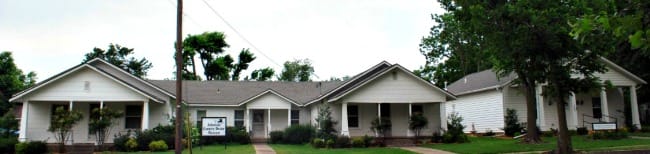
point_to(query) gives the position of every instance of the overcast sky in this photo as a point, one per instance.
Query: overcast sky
(340, 37)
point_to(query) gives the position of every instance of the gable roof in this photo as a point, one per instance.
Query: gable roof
(234, 93)
(487, 79)
(108, 70)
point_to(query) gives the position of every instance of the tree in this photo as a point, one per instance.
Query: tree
(61, 124)
(512, 123)
(297, 71)
(326, 129)
(534, 43)
(263, 74)
(101, 123)
(12, 80)
(119, 56)
(381, 126)
(416, 123)
(208, 46)
(245, 57)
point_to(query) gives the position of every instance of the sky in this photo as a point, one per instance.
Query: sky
(340, 37)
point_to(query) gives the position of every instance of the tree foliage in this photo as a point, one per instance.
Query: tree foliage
(101, 123)
(245, 57)
(512, 123)
(209, 46)
(417, 122)
(61, 125)
(326, 129)
(119, 56)
(297, 71)
(263, 74)
(12, 80)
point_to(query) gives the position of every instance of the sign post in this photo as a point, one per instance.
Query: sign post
(214, 126)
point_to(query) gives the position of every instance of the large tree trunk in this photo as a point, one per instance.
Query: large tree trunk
(532, 136)
(193, 67)
(564, 140)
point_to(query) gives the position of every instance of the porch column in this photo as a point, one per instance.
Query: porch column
(268, 122)
(408, 131)
(634, 106)
(344, 120)
(603, 104)
(247, 120)
(573, 112)
(22, 133)
(289, 117)
(540, 107)
(379, 111)
(101, 105)
(443, 117)
(70, 105)
(145, 115)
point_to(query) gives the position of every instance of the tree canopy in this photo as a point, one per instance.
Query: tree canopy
(119, 56)
(210, 47)
(12, 80)
(263, 74)
(297, 71)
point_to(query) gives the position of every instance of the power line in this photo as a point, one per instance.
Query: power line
(240, 35)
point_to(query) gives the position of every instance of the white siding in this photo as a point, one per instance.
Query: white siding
(269, 100)
(279, 119)
(71, 87)
(515, 99)
(615, 103)
(617, 78)
(483, 109)
(396, 87)
(228, 112)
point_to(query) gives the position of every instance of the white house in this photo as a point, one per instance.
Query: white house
(483, 99)
(384, 90)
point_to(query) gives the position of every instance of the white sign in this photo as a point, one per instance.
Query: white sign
(603, 126)
(213, 126)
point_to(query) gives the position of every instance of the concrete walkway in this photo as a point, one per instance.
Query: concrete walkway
(263, 148)
(425, 150)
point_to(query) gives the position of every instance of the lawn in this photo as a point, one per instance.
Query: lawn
(211, 149)
(306, 148)
(496, 145)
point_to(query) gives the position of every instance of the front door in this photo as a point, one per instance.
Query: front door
(258, 124)
(385, 114)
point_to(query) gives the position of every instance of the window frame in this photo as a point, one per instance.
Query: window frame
(239, 122)
(128, 116)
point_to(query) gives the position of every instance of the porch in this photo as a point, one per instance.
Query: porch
(356, 118)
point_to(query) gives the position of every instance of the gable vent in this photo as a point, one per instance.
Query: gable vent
(394, 75)
(87, 86)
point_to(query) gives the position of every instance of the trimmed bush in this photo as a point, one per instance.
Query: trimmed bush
(8, 145)
(329, 143)
(368, 140)
(165, 133)
(358, 142)
(318, 143)
(298, 134)
(132, 144)
(512, 123)
(436, 137)
(276, 137)
(582, 131)
(33, 147)
(342, 142)
(608, 135)
(159, 145)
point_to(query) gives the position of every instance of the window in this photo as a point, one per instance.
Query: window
(55, 106)
(133, 117)
(93, 115)
(385, 110)
(239, 118)
(295, 117)
(595, 103)
(353, 116)
(417, 109)
(199, 116)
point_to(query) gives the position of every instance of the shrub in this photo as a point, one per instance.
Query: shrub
(358, 142)
(582, 131)
(239, 135)
(33, 147)
(381, 126)
(455, 132)
(608, 135)
(512, 123)
(416, 123)
(131, 145)
(119, 141)
(276, 137)
(298, 134)
(318, 143)
(326, 129)
(368, 140)
(342, 142)
(159, 145)
(329, 143)
(160, 132)
(436, 137)
(7, 145)
(489, 132)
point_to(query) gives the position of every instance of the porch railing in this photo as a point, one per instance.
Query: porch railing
(585, 116)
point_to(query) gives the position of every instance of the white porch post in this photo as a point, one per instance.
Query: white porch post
(540, 107)
(268, 123)
(247, 120)
(443, 117)
(289, 117)
(145, 115)
(408, 131)
(70, 105)
(634, 106)
(603, 104)
(101, 105)
(378, 116)
(22, 133)
(344, 120)
(573, 112)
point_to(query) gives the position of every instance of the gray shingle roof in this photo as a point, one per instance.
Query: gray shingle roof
(478, 81)
(235, 92)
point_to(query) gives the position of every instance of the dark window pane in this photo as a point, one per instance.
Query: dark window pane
(295, 114)
(596, 104)
(417, 109)
(239, 114)
(133, 117)
(353, 122)
(94, 111)
(385, 110)
(133, 110)
(353, 116)
(133, 122)
(353, 110)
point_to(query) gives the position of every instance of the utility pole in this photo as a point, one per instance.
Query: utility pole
(178, 146)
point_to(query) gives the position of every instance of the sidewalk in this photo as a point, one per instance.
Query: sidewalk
(263, 148)
(425, 150)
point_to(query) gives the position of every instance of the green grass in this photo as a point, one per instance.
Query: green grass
(645, 134)
(306, 148)
(211, 149)
(496, 145)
